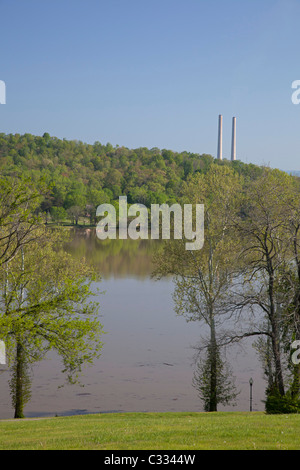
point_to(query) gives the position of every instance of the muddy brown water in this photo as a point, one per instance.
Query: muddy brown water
(147, 361)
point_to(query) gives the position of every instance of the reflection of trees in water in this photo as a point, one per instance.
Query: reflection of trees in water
(114, 258)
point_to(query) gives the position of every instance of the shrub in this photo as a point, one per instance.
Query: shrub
(276, 404)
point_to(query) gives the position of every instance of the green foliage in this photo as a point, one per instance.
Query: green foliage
(278, 404)
(58, 214)
(224, 391)
(46, 304)
(19, 219)
(84, 175)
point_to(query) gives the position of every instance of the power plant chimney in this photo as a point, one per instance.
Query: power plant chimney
(233, 142)
(220, 138)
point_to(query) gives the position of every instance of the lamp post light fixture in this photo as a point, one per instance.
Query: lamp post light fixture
(251, 384)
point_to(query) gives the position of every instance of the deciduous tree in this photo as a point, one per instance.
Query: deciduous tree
(46, 304)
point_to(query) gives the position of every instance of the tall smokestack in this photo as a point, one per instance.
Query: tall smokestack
(233, 142)
(220, 138)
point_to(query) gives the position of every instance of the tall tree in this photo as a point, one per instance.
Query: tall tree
(203, 278)
(46, 304)
(291, 277)
(265, 254)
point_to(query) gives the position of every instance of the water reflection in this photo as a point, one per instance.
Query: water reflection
(147, 359)
(118, 259)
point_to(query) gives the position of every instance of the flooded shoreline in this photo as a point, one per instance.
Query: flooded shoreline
(147, 361)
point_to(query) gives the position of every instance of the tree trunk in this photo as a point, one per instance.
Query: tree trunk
(295, 388)
(19, 382)
(279, 382)
(274, 322)
(213, 403)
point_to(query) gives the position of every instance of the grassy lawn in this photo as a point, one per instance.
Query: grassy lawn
(154, 431)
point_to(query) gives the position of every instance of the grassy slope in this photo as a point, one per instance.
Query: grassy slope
(154, 431)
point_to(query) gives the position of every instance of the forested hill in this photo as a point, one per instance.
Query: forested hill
(88, 175)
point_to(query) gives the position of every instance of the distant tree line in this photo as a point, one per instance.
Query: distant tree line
(83, 176)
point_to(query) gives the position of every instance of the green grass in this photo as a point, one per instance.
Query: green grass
(154, 431)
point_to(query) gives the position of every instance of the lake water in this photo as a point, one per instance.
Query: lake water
(147, 361)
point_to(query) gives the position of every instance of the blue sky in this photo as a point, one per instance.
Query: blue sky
(155, 73)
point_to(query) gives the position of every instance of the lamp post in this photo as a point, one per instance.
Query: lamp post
(251, 384)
